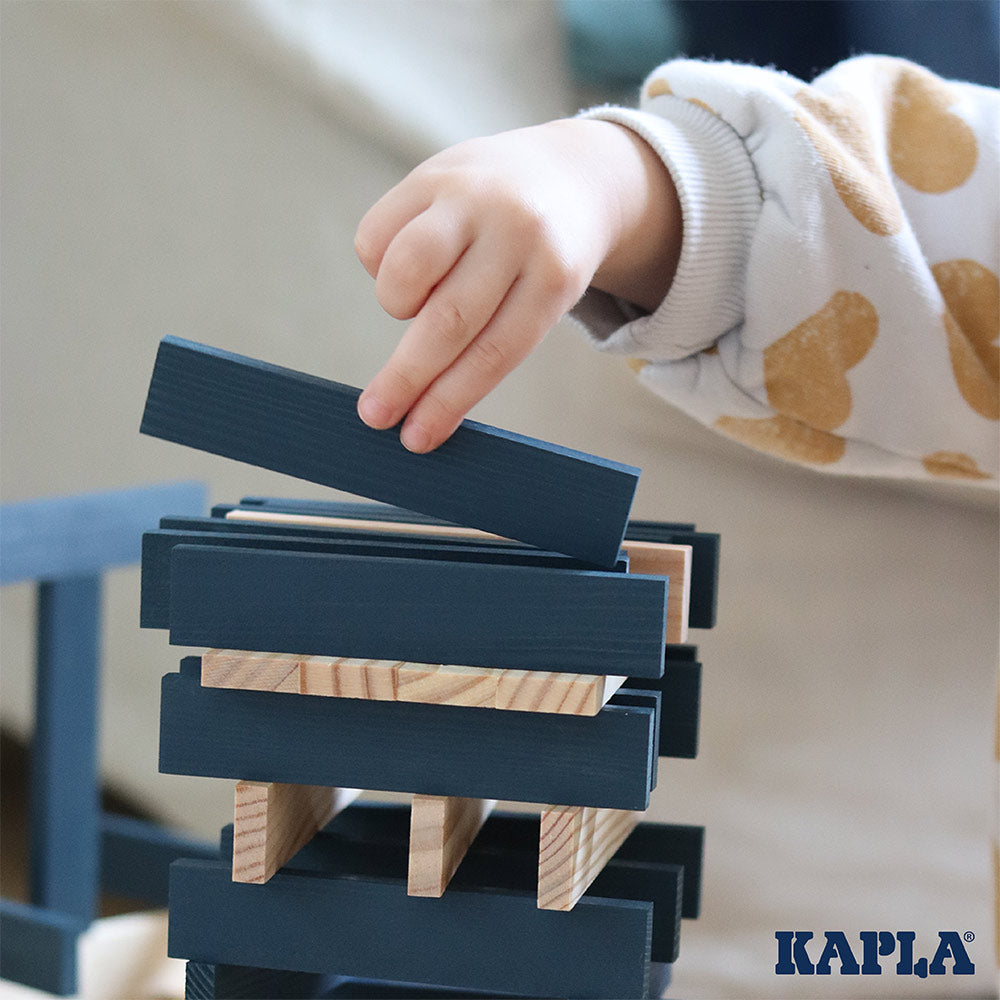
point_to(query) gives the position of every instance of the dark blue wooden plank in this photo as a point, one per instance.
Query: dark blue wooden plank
(651, 698)
(515, 617)
(604, 760)
(308, 427)
(38, 947)
(84, 534)
(64, 776)
(474, 940)
(154, 606)
(680, 687)
(136, 856)
(703, 604)
(235, 982)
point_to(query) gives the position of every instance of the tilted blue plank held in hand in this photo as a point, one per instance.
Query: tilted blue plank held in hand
(305, 426)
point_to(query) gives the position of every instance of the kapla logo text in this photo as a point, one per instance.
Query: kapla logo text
(865, 957)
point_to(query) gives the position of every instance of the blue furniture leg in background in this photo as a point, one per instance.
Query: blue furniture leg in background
(65, 802)
(65, 544)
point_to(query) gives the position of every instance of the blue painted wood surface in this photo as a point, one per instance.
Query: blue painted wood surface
(377, 845)
(136, 856)
(65, 543)
(157, 546)
(705, 546)
(86, 533)
(517, 617)
(64, 790)
(604, 760)
(39, 947)
(307, 427)
(680, 687)
(476, 940)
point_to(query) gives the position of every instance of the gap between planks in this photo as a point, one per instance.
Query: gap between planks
(645, 558)
(272, 821)
(389, 680)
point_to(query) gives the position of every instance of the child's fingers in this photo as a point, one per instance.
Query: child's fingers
(417, 259)
(454, 314)
(516, 329)
(385, 219)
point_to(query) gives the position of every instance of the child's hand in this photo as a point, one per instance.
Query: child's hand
(487, 244)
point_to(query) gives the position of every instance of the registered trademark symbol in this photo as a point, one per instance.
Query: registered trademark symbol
(969, 936)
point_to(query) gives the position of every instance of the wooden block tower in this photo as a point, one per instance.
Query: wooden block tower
(493, 628)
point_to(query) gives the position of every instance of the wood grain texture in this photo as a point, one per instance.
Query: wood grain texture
(157, 546)
(420, 611)
(603, 760)
(574, 844)
(272, 821)
(705, 546)
(422, 683)
(308, 427)
(473, 940)
(658, 862)
(645, 557)
(441, 829)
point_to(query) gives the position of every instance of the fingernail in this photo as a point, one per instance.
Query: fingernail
(414, 437)
(374, 412)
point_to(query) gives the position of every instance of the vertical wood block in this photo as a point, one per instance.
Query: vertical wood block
(674, 562)
(574, 844)
(272, 821)
(441, 829)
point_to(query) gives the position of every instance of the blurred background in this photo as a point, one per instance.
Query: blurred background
(199, 168)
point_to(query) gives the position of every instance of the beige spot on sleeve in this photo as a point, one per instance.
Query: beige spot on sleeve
(974, 382)
(805, 370)
(838, 130)
(658, 88)
(972, 294)
(953, 465)
(782, 436)
(930, 148)
(636, 364)
(699, 103)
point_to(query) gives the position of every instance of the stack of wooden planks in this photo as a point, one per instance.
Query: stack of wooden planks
(493, 628)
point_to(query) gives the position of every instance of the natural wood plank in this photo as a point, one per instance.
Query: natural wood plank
(441, 829)
(646, 558)
(574, 844)
(272, 821)
(422, 683)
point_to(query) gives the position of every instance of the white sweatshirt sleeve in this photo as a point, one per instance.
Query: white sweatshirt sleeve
(836, 299)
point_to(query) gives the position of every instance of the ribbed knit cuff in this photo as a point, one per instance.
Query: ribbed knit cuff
(720, 200)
